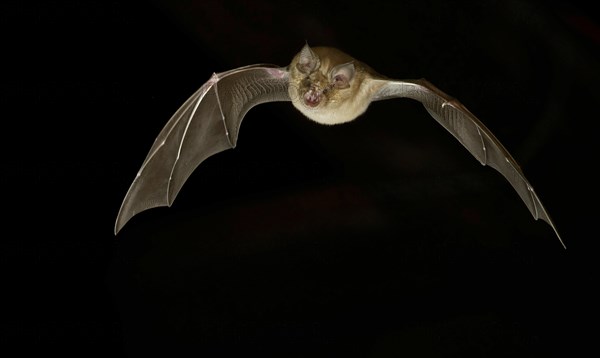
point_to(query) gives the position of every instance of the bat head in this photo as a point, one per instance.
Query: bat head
(325, 85)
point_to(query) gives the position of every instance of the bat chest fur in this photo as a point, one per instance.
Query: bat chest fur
(327, 115)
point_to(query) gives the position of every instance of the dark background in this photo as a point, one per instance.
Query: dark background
(379, 238)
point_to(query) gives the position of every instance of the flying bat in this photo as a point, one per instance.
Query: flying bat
(328, 87)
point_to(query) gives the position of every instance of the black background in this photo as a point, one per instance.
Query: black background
(379, 238)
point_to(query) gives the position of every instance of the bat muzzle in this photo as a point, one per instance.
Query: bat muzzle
(313, 97)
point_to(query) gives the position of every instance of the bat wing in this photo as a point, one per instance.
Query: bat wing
(471, 133)
(207, 123)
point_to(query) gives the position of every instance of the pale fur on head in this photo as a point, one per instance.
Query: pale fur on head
(313, 90)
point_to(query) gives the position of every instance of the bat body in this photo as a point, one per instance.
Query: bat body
(327, 86)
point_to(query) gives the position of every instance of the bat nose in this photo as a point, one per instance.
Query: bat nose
(312, 98)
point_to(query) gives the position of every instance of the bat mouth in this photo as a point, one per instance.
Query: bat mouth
(313, 98)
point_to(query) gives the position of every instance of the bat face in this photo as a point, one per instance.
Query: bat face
(326, 85)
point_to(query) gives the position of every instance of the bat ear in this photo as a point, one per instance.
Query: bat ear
(308, 61)
(341, 75)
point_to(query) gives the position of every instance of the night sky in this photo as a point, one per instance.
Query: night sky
(383, 237)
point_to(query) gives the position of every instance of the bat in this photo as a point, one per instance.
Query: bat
(328, 87)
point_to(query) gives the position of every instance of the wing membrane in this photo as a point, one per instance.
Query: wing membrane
(471, 133)
(207, 123)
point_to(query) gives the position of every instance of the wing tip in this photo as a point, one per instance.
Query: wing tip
(549, 221)
(557, 234)
(537, 209)
(120, 222)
